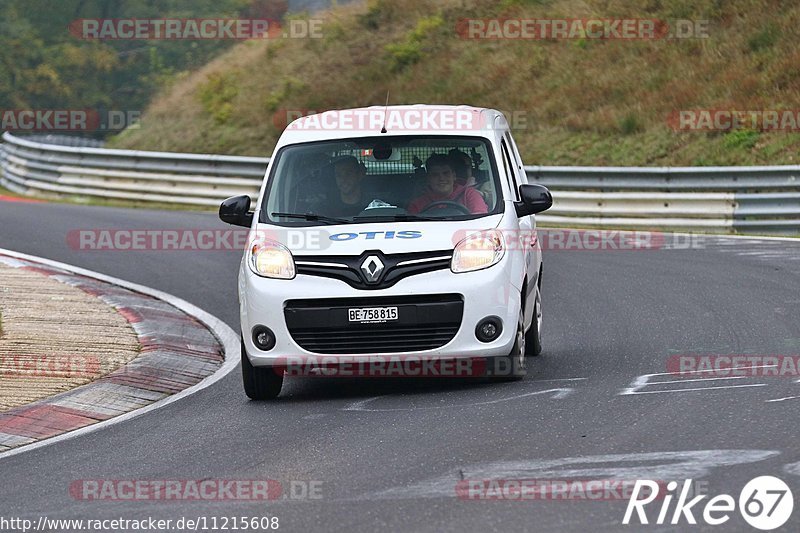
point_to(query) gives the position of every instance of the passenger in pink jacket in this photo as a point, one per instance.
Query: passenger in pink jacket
(442, 187)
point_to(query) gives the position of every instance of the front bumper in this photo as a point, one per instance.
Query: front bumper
(485, 293)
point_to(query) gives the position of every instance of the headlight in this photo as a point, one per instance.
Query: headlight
(270, 259)
(479, 250)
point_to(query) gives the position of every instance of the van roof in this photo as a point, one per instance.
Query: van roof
(417, 119)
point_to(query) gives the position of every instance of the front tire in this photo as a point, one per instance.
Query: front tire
(260, 383)
(533, 338)
(512, 367)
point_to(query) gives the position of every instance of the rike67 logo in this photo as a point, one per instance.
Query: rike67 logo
(765, 503)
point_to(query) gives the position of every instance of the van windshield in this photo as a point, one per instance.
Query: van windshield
(378, 178)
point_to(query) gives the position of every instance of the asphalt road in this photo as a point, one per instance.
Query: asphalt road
(388, 454)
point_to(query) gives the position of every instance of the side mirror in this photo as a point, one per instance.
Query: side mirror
(236, 211)
(535, 199)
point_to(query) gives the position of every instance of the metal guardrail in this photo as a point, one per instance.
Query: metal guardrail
(65, 140)
(761, 200)
(30, 167)
(757, 200)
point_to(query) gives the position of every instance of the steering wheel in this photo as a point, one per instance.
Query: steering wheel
(446, 203)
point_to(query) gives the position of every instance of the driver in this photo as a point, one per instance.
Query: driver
(348, 199)
(442, 187)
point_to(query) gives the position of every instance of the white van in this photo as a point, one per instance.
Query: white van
(399, 231)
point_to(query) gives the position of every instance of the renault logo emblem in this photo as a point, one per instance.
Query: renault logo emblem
(372, 268)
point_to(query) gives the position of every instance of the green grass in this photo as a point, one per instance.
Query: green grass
(584, 102)
(6, 192)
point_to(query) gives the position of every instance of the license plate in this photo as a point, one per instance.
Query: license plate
(372, 314)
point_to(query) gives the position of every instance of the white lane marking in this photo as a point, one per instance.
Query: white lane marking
(359, 405)
(784, 399)
(561, 379)
(697, 389)
(792, 468)
(745, 239)
(704, 371)
(643, 381)
(690, 380)
(748, 239)
(227, 337)
(629, 466)
(757, 253)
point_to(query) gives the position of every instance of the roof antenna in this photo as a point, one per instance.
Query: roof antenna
(385, 112)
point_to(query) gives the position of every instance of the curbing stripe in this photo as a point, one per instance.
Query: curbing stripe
(43, 421)
(67, 406)
(8, 440)
(20, 200)
(109, 399)
(31, 419)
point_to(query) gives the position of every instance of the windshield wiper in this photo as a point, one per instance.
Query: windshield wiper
(313, 217)
(405, 217)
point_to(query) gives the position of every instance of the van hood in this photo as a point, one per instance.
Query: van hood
(388, 237)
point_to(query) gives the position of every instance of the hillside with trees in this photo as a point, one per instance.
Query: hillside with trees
(45, 66)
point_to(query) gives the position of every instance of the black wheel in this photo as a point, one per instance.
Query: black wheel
(260, 383)
(511, 367)
(533, 338)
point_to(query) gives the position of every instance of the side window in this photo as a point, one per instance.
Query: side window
(513, 182)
